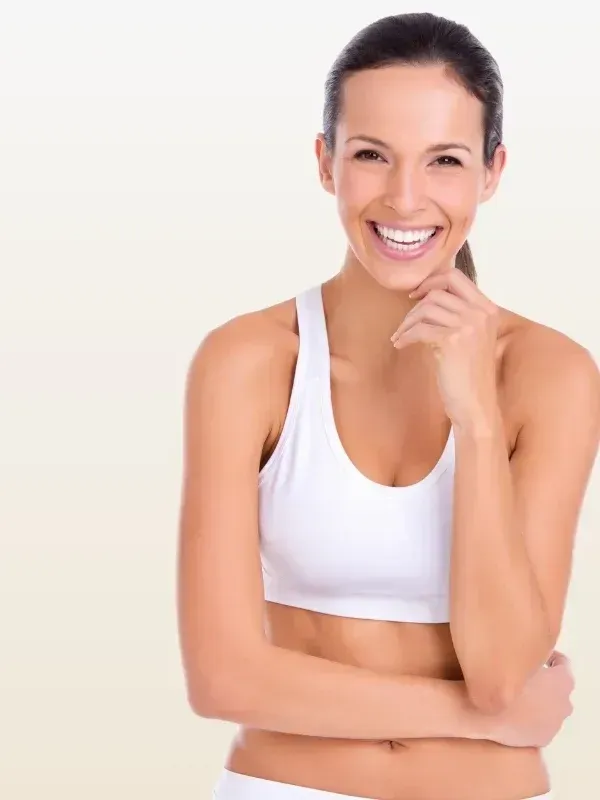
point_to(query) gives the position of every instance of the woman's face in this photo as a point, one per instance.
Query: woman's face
(407, 170)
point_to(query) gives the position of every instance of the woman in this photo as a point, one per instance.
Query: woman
(374, 615)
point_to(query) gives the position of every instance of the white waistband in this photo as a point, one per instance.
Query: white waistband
(235, 786)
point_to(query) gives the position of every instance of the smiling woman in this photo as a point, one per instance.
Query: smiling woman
(405, 243)
(442, 141)
(383, 475)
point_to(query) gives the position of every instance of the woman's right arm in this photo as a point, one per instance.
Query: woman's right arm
(232, 671)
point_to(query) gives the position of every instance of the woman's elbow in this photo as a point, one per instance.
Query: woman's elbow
(493, 690)
(224, 696)
(492, 696)
(205, 699)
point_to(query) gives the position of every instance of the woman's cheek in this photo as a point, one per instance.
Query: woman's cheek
(359, 187)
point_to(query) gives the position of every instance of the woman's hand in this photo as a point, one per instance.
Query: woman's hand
(539, 712)
(460, 325)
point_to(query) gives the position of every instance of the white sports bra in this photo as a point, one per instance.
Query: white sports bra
(332, 540)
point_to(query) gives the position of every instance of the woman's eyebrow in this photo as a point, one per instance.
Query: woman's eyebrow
(435, 148)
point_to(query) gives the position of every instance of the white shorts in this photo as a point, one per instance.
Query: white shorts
(234, 786)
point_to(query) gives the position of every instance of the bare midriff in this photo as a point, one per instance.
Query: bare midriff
(399, 769)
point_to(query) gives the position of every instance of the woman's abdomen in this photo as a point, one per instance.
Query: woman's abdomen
(440, 769)
(398, 769)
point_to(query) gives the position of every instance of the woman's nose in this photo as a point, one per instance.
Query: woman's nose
(406, 190)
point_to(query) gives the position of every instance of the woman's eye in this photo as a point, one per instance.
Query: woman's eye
(367, 155)
(448, 161)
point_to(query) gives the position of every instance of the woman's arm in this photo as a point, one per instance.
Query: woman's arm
(514, 516)
(515, 521)
(232, 671)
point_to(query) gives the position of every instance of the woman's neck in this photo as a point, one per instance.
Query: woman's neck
(362, 316)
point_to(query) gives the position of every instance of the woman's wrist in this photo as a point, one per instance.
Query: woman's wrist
(465, 720)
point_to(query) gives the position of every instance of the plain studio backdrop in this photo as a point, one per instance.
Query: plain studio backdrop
(158, 178)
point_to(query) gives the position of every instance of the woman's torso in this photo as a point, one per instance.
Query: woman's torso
(375, 418)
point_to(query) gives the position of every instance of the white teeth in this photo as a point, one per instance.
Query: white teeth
(404, 237)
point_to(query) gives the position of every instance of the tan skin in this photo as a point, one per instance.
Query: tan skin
(386, 401)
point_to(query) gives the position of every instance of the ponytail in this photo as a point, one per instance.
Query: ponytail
(464, 262)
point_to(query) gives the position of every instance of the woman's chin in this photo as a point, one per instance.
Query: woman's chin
(399, 277)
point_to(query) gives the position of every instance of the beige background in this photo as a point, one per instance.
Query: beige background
(158, 178)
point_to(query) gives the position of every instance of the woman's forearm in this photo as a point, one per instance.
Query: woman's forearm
(498, 620)
(290, 692)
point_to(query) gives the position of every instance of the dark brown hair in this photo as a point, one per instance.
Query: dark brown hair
(420, 39)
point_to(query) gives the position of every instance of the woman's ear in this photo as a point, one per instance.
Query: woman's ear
(494, 173)
(325, 161)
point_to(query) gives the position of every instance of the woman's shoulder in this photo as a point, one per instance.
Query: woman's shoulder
(529, 342)
(536, 359)
(259, 346)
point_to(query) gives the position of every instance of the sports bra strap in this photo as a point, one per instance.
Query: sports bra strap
(312, 331)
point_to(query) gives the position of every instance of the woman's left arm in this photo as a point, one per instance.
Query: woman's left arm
(514, 515)
(514, 525)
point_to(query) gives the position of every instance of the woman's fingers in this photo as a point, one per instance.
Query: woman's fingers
(455, 282)
(420, 332)
(435, 315)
